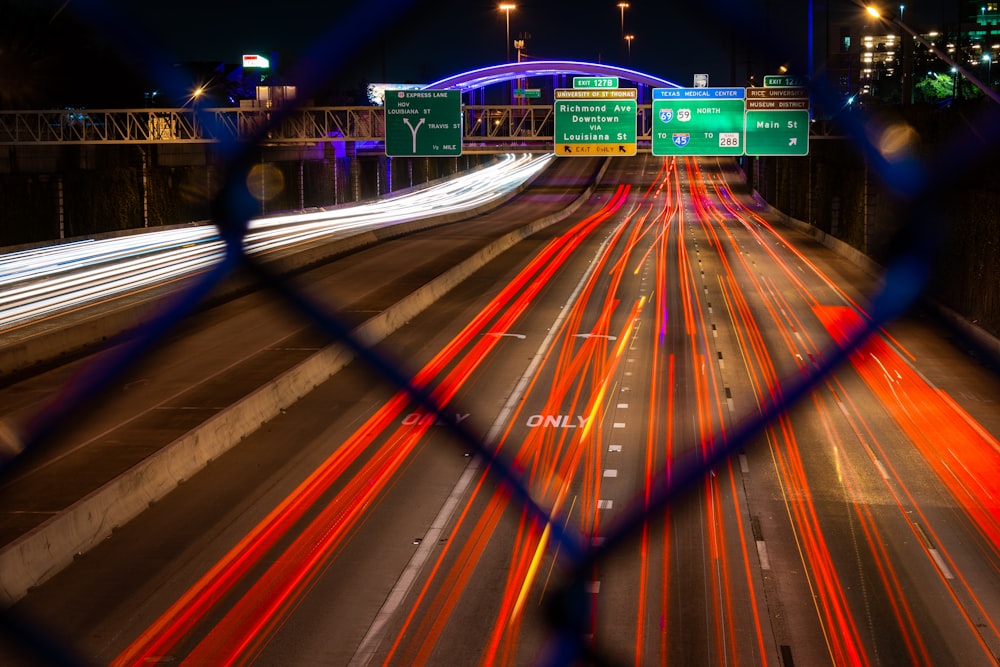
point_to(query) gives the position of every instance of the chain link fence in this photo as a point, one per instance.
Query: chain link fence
(916, 177)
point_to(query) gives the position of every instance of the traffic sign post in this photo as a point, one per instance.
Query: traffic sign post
(595, 122)
(697, 121)
(423, 123)
(784, 80)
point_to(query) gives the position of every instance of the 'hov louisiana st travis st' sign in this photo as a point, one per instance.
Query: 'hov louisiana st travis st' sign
(595, 122)
(424, 123)
(698, 121)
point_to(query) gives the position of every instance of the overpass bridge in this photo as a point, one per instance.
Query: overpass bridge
(487, 128)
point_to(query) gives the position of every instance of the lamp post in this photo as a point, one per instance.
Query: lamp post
(988, 59)
(892, 18)
(623, 6)
(506, 7)
(628, 40)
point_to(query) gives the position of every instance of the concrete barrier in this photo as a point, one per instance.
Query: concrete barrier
(43, 552)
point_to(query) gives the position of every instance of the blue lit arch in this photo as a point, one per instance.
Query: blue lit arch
(494, 74)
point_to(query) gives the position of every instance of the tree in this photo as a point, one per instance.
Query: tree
(935, 88)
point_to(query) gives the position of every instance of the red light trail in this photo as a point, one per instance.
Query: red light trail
(230, 615)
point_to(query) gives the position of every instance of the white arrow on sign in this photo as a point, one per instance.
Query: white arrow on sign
(793, 141)
(593, 335)
(413, 131)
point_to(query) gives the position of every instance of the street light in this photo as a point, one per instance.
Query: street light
(506, 7)
(623, 6)
(892, 18)
(988, 59)
(628, 40)
(195, 96)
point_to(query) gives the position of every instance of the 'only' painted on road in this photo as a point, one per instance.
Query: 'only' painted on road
(557, 421)
(425, 418)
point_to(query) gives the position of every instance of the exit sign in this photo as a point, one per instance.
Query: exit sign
(780, 80)
(595, 81)
(595, 122)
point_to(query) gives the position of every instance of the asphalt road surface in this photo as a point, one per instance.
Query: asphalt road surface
(597, 359)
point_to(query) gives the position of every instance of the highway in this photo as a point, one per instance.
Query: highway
(41, 283)
(599, 354)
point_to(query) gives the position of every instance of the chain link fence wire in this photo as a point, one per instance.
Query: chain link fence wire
(914, 180)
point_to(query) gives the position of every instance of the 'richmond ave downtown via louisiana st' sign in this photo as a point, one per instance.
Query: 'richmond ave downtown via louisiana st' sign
(595, 121)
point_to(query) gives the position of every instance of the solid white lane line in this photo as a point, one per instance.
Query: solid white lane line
(765, 561)
(945, 570)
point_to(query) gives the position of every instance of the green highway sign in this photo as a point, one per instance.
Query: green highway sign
(527, 92)
(595, 122)
(777, 132)
(697, 121)
(595, 81)
(424, 123)
(784, 80)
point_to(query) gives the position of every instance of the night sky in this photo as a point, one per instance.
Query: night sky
(421, 41)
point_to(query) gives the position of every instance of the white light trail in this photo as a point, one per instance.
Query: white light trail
(42, 282)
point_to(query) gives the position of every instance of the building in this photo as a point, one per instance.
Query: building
(875, 61)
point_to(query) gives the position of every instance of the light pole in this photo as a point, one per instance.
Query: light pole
(988, 59)
(628, 40)
(623, 6)
(892, 18)
(506, 7)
